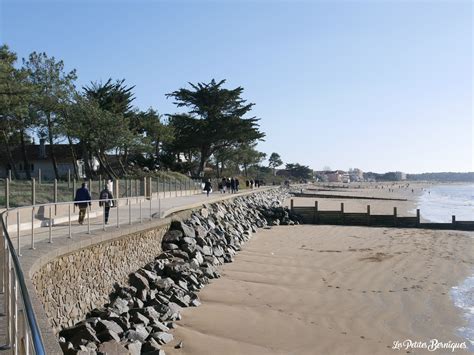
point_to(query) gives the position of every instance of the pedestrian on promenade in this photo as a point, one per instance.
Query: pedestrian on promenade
(237, 185)
(251, 183)
(247, 183)
(83, 198)
(219, 186)
(208, 186)
(227, 185)
(106, 201)
(224, 185)
(232, 185)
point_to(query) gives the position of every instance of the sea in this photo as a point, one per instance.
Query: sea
(437, 204)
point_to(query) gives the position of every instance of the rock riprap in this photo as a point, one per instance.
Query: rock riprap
(139, 316)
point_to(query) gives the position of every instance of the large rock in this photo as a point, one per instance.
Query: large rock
(108, 325)
(139, 281)
(77, 334)
(173, 236)
(113, 347)
(183, 227)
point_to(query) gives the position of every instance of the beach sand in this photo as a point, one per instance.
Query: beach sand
(331, 290)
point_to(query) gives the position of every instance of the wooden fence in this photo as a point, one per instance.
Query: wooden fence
(312, 215)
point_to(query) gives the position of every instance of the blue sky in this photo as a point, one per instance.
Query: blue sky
(378, 85)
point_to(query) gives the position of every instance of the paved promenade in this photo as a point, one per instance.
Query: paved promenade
(125, 214)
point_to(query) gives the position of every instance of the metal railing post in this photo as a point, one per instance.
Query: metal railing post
(50, 225)
(118, 216)
(140, 210)
(103, 216)
(69, 221)
(88, 220)
(7, 296)
(14, 315)
(7, 193)
(32, 228)
(18, 231)
(129, 212)
(159, 207)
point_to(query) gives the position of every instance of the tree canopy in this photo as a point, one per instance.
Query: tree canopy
(215, 119)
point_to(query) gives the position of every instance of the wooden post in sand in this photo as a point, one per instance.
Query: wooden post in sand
(342, 213)
(368, 215)
(291, 205)
(453, 219)
(395, 216)
(315, 213)
(418, 217)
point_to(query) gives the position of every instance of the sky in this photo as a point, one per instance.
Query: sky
(376, 85)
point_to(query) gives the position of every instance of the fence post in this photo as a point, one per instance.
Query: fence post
(117, 189)
(32, 227)
(33, 191)
(55, 196)
(158, 187)
(18, 231)
(136, 189)
(39, 176)
(315, 212)
(144, 188)
(418, 217)
(342, 213)
(292, 205)
(7, 193)
(395, 216)
(176, 187)
(368, 215)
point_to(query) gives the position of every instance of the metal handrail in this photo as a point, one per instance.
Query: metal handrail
(30, 314)
(13, 275)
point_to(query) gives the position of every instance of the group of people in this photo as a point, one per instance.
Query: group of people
(228, 185)
(253, 183)
(83, 201)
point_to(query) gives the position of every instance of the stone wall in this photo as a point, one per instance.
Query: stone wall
(73, 284)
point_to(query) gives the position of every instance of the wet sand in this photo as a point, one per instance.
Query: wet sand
(331, 290)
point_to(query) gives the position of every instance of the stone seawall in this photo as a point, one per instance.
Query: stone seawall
(73, 284)
(140, 313)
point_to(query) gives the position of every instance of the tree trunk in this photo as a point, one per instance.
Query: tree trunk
(105, 165)
(202, 161)
(26, 163)
(51, 143)
(10, 157)
(74, 157)
(245, 169)
(85, 158)
(157, 152)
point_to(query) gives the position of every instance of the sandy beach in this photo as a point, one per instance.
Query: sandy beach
(332, 290)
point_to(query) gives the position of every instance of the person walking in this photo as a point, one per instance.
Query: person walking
(224, 185)
(106, 201)
(232, 185)
(208, 186)
(83, 198)
(237, 185)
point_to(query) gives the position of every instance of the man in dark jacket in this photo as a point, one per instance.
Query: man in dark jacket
(208, 186)
(84, 200)
(106, 200)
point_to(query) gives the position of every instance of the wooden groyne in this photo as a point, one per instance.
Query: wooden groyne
(312, 215)
(349, 197)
